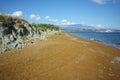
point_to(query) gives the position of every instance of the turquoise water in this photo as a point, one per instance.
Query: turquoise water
(109, 38)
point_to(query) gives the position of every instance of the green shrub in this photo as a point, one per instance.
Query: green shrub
(6, 19)
(9, 21)
(44, 27)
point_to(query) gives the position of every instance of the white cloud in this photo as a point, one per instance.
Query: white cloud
(47, 17)
(65, 22)
(34, 17)
(53, 20)
(98, 25)
(103, 1)
(17, 14)
(57, 21)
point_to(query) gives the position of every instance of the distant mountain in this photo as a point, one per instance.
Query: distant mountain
(85, 28)
(77, 28)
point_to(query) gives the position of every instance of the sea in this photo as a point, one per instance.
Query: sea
(108, 38)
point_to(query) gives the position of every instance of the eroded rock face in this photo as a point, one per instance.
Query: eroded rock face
(18, 35)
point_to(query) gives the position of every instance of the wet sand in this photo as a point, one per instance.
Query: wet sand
(61, 57)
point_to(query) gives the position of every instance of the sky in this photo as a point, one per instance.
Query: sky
(97, 13)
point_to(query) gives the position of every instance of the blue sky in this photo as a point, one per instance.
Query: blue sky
(98, 13)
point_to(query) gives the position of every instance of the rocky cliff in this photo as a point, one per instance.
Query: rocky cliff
(17, 33)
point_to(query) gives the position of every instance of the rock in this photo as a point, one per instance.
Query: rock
(117, 59)
(19, 34)
(2, 50)
(0, 41)
(19, 45)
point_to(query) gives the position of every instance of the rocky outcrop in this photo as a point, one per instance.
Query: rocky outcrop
(18, 35)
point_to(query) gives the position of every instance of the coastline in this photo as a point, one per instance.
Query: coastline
(61, 57)
(102, 37)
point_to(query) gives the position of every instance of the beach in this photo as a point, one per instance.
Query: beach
(61, 57)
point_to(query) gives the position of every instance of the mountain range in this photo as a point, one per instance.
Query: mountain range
(85, 28)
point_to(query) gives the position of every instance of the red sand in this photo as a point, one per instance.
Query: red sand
(61, 57)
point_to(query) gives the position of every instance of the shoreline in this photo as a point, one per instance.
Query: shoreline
(61, 57)
(94, 41)
(98, 40)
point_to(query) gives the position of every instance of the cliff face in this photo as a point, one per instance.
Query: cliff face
(17, 34)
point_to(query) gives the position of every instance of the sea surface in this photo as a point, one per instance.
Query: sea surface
(109, 38)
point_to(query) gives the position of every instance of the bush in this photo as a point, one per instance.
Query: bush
(44, 27)
(6, 19)
(9, 22)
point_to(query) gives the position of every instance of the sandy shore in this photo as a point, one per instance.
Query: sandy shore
(61, 57)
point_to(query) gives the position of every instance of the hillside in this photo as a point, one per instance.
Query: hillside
(17, 33)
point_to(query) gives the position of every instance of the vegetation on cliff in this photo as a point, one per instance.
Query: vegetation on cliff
(9, 20)
(17, 33)
(44, 27)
